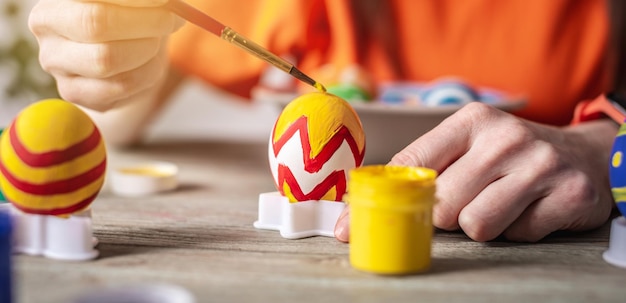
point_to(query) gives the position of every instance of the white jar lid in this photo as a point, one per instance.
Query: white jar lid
(144, 179)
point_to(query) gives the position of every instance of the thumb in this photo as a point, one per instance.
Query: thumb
(439, 147)
(342, 228)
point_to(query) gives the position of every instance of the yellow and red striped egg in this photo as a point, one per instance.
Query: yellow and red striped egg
(316, 140)
(52, 159)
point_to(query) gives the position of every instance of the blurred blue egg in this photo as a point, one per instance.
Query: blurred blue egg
(400, 93)
(449, 92)
(617, 170)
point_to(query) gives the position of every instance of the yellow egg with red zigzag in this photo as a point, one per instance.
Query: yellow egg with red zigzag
(316, 140)
(52, 159)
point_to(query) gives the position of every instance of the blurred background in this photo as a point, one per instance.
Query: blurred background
(197, 112)
(22, 81)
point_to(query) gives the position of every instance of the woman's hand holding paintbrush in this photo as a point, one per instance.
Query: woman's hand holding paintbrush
(104, 53)
(109, 56)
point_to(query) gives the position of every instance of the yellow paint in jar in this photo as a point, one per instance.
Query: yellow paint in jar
(391, 218)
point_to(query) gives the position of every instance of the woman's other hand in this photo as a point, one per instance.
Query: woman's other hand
(501, 175)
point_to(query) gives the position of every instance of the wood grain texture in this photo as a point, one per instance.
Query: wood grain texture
(201, 237)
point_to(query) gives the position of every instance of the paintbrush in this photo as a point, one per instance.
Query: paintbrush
(206, 22)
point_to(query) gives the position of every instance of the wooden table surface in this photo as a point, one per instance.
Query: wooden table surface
(201, 237)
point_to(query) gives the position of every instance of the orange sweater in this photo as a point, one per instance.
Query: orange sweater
(552, 51)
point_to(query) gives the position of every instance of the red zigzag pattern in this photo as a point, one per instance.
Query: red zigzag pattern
(315, 164)
(51, 158)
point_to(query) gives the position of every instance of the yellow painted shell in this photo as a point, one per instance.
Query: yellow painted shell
(52, 159)
(316, 139)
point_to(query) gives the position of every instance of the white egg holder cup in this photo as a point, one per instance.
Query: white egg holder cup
(616, 253)
(298, 220)
(53, 237)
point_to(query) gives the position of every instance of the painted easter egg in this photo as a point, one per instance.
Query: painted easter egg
(316, 140)
(357, 76)
(52, 159)
(617, 170)
(449, 92)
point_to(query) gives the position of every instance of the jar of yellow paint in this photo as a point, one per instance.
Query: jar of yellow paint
(391, 218)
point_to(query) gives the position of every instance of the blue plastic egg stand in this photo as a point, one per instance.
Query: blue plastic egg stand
(616, 254)
(6, 286)
(5, 252)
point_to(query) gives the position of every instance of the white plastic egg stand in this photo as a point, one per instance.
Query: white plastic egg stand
(298, 220)
(304, 218)
(616, 253)
(53, 237)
